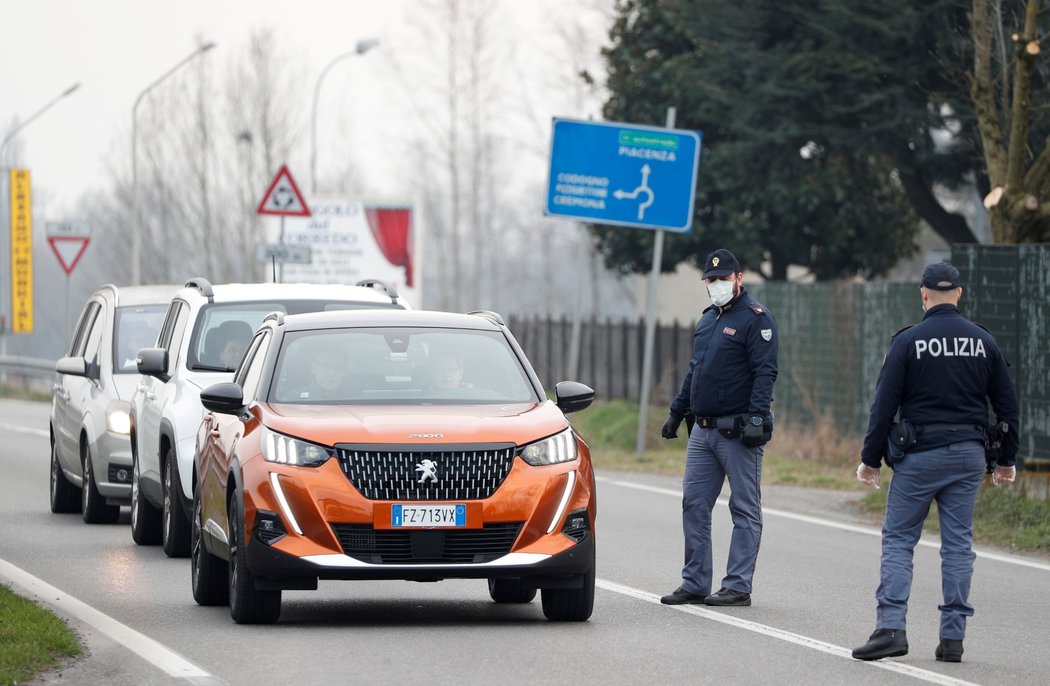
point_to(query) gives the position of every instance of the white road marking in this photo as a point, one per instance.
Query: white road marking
(145, 647)
(780, 634)
(25, 430)
(854, 528)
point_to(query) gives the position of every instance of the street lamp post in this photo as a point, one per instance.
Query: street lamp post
(136, 234)
(3, 144)
(362, 47)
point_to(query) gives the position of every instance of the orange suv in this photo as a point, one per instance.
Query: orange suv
(390, 445)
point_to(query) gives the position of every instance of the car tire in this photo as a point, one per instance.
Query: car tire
(93, 505)
(510, 591)
(145, 519)
(570, 604)
(64, 495)
(248, 605)
(175, 524)
(208, 573)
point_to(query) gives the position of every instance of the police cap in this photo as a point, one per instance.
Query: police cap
(720, 263)
(941, 276)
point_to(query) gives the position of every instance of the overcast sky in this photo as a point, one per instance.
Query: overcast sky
(115, 48)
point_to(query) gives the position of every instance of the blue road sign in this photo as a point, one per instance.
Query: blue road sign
(612, 173)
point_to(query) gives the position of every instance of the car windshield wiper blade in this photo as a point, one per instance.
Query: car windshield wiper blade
(209, 368)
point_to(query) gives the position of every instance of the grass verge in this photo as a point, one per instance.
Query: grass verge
(22, 393)
(815, 457)
(31, 639)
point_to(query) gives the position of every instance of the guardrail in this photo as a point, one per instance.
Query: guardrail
(27, 373)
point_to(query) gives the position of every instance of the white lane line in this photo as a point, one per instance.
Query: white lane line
(145, 647)
(854, 528)
(25, 430)
(780, 634)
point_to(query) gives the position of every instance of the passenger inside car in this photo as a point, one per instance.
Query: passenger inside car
(445, 368)
(227, 342)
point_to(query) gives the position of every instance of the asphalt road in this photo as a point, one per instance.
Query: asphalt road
(813, 602)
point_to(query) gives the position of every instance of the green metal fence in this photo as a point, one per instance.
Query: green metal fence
(1007, 289)
(833, 337)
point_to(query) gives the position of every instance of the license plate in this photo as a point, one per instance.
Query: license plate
(428, 515)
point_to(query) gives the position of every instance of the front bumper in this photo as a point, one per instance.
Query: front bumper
(297, 522)
(112, 461)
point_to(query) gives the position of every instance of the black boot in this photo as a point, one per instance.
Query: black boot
(949, 650)
(883, 643)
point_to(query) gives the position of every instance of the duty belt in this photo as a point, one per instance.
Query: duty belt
(949, 427)
(707, 422)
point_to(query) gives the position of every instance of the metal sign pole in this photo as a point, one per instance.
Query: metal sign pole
(650, 324)
(280, 242)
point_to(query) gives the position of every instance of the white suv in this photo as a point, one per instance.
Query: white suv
(202, 340)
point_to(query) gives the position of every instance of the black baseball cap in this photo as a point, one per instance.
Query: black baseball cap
(720, 263)
(941, 276)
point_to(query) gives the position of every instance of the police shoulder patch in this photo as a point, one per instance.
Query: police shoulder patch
(758, 309)
(903, 328)
(767, 334)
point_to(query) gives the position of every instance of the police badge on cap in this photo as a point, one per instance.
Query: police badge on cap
(941, 276)
(720, 263)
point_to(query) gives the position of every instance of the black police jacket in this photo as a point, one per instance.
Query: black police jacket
(734, 362)
(943, 370)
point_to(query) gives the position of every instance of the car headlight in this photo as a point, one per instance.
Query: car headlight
(558, 448)
(118, 417)
(287, 450)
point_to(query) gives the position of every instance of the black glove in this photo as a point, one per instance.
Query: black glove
(756, 432)
(670, 427)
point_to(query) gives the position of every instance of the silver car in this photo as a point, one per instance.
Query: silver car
(90, 426)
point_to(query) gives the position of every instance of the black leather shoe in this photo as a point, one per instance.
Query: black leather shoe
(680, 596)
(727, 597)
(883, 643)
(949, 650)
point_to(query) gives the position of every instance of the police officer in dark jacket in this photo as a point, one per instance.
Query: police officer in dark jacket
(940, 375)
(726, 393)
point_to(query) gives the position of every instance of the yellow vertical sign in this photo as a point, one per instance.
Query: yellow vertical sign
(21, 253)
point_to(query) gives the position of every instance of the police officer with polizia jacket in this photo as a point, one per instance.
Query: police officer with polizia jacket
(727, 393)
(940, 375)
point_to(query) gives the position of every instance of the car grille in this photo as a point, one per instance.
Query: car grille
(432, 546)
(470, 472)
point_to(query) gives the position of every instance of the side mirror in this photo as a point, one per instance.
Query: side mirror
(572, 396)
(224, 398)
(153, 362)
(73, 366)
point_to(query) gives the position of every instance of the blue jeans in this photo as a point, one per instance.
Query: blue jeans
(949, 475)
(709, 459)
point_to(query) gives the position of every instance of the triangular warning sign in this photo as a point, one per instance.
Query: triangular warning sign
(69, 250)
(284, 197)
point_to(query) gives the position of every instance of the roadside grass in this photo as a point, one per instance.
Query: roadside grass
(22, 393)
(814, 457)
(32, 639)
(1002, 517)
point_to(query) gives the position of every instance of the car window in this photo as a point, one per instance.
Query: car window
(135, 327)
(223, 330)
(87, 318)
(168, 327)
(389, 365)
(178, 331)
(252, 370)
(93, 339)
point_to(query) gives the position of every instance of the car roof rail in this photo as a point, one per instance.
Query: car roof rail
(116, 292)
(384, 286)
(490, 315)
(276, 316)
(202, 285)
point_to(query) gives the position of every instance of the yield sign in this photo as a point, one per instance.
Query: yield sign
(69, 250)
(284, 198)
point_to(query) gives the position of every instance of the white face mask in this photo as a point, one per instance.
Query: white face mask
(721, 292)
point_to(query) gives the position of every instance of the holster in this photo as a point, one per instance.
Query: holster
(690, 420)
(901, 438)
(729, 426)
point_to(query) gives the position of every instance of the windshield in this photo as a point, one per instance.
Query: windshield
(406, 366)
(135, 328)
(223, 330)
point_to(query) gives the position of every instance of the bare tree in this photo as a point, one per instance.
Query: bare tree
(1019, 202)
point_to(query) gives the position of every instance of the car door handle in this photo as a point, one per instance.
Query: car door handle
(151, 394)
